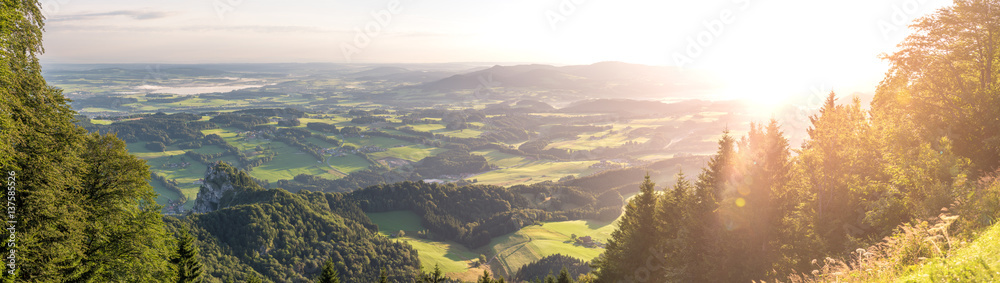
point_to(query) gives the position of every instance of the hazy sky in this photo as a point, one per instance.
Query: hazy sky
(757, 44)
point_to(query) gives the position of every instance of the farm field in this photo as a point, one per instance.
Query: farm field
(449, 256)
(506, 254)
(289, 162)
(534, 172)
(411, 153)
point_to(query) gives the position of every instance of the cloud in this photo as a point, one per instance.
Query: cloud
(136, 15)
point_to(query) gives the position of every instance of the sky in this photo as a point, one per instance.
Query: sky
(756, 46)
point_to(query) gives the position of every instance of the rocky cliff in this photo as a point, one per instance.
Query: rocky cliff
(222, 181)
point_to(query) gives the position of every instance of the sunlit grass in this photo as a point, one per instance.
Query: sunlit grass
(534, 172)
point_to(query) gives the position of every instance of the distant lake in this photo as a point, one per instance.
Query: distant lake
(190, 90)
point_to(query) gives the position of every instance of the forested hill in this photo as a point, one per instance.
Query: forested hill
(244, 230)
(286, 237)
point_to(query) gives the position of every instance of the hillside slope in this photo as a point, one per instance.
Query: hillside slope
(977, 262)
(286, 237)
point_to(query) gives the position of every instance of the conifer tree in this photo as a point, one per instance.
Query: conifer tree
(329, 274)
(564, 277)
(705, 231)
(485, 278)
(674, 226)
(630, 244)
(189, 268)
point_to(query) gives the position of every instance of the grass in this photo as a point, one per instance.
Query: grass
(139, 150)
(411, 152)
(209, 149)
(158, 161)
(289, 162)
(534, 172)
(184, 176)
(500, 159)
(320, 143)
(512, 250)
(977, 262)
(163, 195)
(348, 163)
(603, 139)
(427, 127)
(449, 256)
(463, 133)
(537, 241)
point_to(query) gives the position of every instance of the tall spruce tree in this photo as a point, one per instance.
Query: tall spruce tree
(673, 217)
(189, 268)
(709, 189)
(632, 243)
(329, 274)
(564, 276)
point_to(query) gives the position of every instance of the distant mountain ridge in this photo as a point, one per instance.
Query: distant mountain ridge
(601, 79)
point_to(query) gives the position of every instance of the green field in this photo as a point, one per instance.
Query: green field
(348, 163)
(506, 253)
(449, 256)
(163, 195)
(534, 172)
(600, 139)
(412, 153)
(289, 162)
(501, 159)
(535, 242)
(140, 151)
(158, 162)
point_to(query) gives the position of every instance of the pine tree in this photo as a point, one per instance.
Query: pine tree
(329, 274)
(485, 278)
(705, 231)
(434, 277)
(673, 217)
(629, 246)
(564, 276)
(383, 277)
(189, 268)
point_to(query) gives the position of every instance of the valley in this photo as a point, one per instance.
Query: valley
(349, 127)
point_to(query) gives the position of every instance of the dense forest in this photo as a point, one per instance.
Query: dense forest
(286, 237)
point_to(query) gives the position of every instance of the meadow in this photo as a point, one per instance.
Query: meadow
(505, 254)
